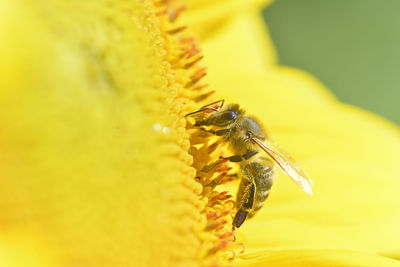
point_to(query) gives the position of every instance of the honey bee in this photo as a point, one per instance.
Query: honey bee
(247, 138)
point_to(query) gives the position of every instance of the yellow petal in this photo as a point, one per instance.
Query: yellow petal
(241, 44)
(315, 258)
(351, 155)
(22, 249)
(204, 16)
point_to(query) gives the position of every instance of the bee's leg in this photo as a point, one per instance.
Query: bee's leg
(239, 218)
(247, 205)
(250, 199)
(238, 158)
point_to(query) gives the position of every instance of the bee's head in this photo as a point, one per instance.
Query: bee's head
(226, 116)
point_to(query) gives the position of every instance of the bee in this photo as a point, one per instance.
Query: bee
(248, 139)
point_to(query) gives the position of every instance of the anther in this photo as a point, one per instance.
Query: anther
(233, 255)
(212, 215)
(185, 40)
(204, 96)
(223, 244)
(190, 64)
(173, 14)
(195, 78)
(190, 51)
(161, 13)
(225, 235)
(177, 30)
(200, 86)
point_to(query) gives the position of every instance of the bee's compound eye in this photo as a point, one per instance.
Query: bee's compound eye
(229, 116)
(225, 118)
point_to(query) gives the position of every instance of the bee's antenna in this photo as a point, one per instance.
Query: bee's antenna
(201, 110)
(222, 103)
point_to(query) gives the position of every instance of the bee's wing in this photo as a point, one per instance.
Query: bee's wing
(285, 163)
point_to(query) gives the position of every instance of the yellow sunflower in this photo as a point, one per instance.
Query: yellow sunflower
(98, 166)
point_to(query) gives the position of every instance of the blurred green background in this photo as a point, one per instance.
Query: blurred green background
(352, 46)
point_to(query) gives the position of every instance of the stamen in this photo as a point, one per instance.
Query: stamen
(215, 225)
(242, 245)
(216, 181)
(204, 96)
(225, 235)
(233, 255)
(197, 76)
(212, 215)
(212, 166)
(223, 244)
(187, 39)
(217, 239)
(190, 51)
(231, 201)
(161, 13)
(173, 14)
(190, 64)
(177, 30)
(200, 86)
(219, 196)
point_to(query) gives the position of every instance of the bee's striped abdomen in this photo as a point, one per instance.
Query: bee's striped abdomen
(260, 198)
(261, 172)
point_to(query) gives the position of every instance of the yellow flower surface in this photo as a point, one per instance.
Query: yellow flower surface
(352, 156)
(96, 167)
